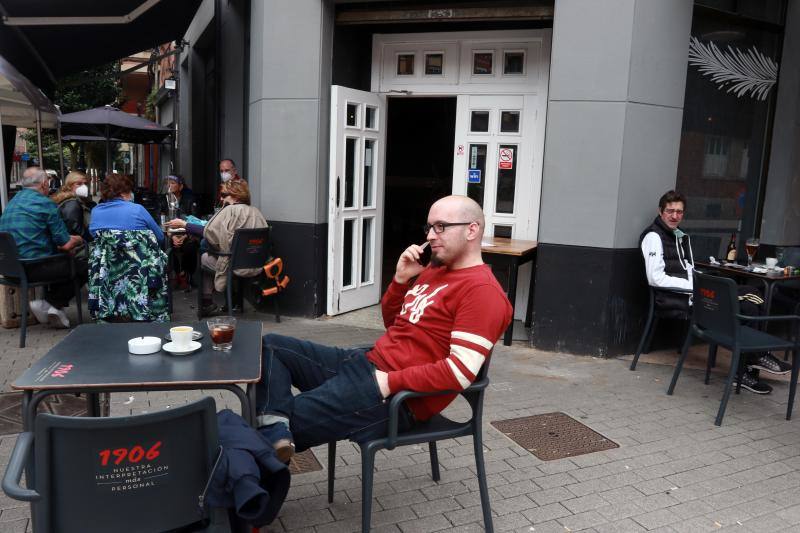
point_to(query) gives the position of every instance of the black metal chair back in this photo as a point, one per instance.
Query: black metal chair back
(250, 248)
(122, 474)
(715, 304)
(10, 266)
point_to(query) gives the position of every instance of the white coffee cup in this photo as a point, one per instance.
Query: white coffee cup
(772, 262)
(181, 336)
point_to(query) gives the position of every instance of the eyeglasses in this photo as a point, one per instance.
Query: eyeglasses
(439, 227)
(678, 212)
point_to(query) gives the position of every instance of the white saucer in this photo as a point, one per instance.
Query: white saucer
(170, 347)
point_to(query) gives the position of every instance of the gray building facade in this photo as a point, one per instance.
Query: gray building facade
(615, 116)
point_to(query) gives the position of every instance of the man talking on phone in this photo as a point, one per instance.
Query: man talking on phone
(442, 320)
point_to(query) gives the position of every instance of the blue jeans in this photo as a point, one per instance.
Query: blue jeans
(339, 395)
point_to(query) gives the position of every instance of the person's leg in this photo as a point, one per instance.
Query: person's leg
(57, 294)
(207, 282)
(339, 395)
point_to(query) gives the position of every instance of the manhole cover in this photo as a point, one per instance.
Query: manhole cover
(59, 404)
(553, 436)
(303, 463)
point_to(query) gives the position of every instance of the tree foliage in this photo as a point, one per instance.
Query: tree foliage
(87, 89)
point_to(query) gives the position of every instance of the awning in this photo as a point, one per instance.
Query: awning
(19, 100)
(48, 39)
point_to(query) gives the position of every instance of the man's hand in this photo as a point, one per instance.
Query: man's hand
(74, 240)
(383, 382)
(407, 265)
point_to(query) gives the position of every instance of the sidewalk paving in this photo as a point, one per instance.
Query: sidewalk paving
(674, 471)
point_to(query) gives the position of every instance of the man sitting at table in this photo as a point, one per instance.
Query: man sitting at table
(33, 221)
(669, 263)
(442, 321)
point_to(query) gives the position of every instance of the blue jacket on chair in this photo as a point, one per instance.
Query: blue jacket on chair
(249, 478)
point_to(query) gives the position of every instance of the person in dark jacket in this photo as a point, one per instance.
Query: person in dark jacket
(179, 202)
(669, 263)
(74, 204)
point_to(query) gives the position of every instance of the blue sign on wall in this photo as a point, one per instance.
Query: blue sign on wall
(26, 156)
(473, 175)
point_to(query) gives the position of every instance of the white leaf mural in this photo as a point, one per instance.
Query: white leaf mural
(742, 73)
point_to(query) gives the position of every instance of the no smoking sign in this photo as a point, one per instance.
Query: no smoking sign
(506, 158)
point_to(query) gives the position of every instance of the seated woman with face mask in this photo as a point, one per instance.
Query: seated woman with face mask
(74, 204)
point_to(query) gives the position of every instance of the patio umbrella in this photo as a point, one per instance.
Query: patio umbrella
(109, 123)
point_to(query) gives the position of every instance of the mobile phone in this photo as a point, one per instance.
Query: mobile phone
(425, 256)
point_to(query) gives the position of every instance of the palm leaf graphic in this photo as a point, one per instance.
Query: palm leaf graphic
(741, 72)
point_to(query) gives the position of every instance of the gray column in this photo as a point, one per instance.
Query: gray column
(617, 85)
(290, 78)
(781, 219)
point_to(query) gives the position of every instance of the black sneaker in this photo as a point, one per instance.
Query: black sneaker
(750, 382)
(769, 363)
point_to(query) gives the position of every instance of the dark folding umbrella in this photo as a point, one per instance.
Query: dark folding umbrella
(109, 123)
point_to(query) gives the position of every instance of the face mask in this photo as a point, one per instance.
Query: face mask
(678, 233)
(225, 176)
(82, 191)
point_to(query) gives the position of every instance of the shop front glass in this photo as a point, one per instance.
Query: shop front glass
(734, 58)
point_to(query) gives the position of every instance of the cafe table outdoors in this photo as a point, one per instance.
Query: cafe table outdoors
(770, 278)
(511, 254)
(94, 358)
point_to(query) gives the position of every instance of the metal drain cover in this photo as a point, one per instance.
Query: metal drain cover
(58, 404)
(554, 436)
(304, 462)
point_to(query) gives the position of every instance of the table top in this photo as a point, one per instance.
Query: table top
(502, 245)
(772, 275)
(96, 355)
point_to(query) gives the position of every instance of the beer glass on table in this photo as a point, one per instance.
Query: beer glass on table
(751, 246)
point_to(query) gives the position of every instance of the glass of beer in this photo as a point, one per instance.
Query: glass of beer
(221, 330)
(751, 246)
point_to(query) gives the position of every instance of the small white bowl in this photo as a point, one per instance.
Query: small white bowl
(144, 345)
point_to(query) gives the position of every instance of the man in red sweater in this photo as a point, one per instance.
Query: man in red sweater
(442, 320)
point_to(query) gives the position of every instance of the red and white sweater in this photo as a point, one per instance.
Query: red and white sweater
(439, 332)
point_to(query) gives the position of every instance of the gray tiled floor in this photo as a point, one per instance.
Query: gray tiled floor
(674, 470)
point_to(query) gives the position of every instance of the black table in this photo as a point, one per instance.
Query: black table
(511, 253)
(769, 279)
(94, 358)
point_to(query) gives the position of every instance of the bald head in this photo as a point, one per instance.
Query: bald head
(464, 207)
(457, 242)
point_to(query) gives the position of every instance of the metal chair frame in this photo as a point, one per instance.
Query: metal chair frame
(652, 322)
(436, 429)
(13, 273)
(716, 320)
(239, 244)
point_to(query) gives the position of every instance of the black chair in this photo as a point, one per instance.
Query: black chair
(13, 272)
(124, 474)
(437, 428)
(251, 248)
(716, 320)
(654, 313)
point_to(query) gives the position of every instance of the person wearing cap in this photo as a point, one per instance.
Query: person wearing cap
(177, 202)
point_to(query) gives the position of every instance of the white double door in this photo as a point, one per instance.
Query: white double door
(494, 160)
(492, 164)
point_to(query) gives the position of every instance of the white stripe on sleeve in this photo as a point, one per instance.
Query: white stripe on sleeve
(471, 337)
(462, 380)
(471, 359)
